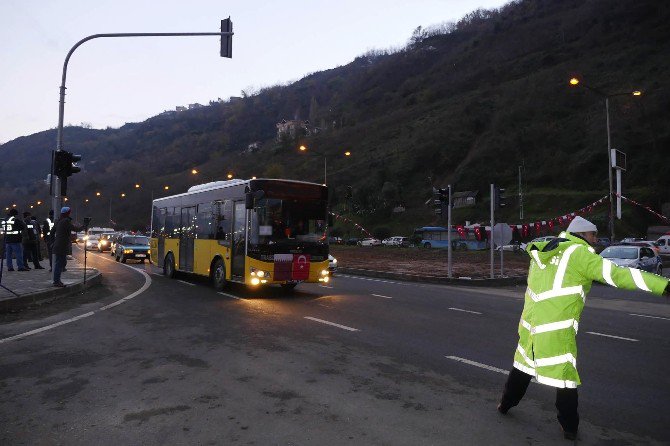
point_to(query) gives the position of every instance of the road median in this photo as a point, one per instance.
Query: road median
(458, 281)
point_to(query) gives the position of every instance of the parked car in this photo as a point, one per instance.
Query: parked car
(91, 242)
(395, 241)
(513, 247)
(604, 241)
(664, 245)
(335, 240)
(632, 256)
(135, 247)
(352, 241)
(105, 241)
(631, 240)
(369, 242)
(332, 264)
(649, 244)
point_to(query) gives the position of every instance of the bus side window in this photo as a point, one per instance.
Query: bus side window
(172, 223)
(158, 223)
(222, 213)
(204, 224)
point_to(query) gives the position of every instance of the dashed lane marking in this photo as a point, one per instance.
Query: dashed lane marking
(143, 288)
(464, 311)
(229, 295)
(612, 336)
(187, 283)
(477, 364)
(651, 317)
(343, 327)
(381, 295)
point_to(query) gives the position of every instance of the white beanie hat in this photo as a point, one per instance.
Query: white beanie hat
(580, 224)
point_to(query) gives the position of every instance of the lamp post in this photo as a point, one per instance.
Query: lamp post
(576, 82)
(303, 149)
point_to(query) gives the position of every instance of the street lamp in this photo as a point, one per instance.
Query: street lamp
(137, 185)
(303, 148)
(230, 176)
(166, 187)
(577, 82)
(194, 171)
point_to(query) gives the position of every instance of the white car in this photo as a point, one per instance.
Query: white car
(369, 242)
(664, 245)
(332, 264)
(394, 241)
(91, 241)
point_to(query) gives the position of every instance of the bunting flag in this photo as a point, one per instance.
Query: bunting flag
(356, 225)
(645, 207)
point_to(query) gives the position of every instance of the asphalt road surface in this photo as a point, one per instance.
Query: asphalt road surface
(148, 360)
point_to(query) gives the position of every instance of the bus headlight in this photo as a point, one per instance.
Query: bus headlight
(324, 272)
(255, 280)
(259, 273)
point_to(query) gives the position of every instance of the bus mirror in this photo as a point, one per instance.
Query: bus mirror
(249, 200)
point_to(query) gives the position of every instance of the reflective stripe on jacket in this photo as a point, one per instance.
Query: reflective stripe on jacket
(8, 226)
(558, 281)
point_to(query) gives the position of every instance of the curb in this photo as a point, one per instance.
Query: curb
(503, 281)
(49, 294)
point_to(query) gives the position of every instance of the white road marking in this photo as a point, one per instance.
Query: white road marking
(651, 317)
(157, 274)
(464, 311)
(612, 336)
(376, 280)
(325, 286)
(478, 364)
(343, 327)
(187, 283)
(381, 295)
(229, 295)
(147, 283)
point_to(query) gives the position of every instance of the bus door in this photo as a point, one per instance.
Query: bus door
(239, 240)
(186, 239)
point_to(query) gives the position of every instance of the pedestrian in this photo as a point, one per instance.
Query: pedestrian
(62, 243)
(559, 278)
(13, 229)
(48, 234)
(29, 242)
(38, 236)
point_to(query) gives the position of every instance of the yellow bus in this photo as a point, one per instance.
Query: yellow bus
(256, 232)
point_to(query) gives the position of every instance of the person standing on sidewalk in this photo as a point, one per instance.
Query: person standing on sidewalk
(13, 229)
(48, 234)
(560, 276)
(62, 243)
(30, 242)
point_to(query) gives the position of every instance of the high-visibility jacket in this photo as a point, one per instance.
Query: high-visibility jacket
(12, 228)
(560, 276)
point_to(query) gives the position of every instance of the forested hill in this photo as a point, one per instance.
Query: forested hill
(464, 103)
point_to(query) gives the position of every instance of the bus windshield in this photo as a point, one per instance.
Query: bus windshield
(277, 220)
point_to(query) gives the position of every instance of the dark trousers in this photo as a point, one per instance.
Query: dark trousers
(30, 254)
(60, 260)
(49, 251)
(566, 399)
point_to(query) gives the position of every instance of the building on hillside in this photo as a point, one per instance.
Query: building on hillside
(194, 106)
(252, 147)
(294, 128)
(465, 198)
(180, 108)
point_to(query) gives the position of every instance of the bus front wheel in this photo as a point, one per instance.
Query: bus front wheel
(168, 266)
(219, 275)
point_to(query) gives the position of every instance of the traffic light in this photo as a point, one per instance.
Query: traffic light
(444, 194)
(499, 197)
(227, 41)
(64, 166)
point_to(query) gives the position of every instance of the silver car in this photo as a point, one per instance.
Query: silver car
(639, 257)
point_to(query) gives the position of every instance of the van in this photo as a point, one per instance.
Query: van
(664, 245)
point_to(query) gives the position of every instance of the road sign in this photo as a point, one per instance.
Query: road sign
(502, 234)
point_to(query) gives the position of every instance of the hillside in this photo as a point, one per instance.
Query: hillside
(464, 103)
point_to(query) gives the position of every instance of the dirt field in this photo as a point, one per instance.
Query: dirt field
(431, 262)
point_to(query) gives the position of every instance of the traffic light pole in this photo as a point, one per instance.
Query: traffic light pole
(493, 199)
(449, 234)
(55, 182)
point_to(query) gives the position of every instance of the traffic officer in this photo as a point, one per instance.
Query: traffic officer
(48, 234)
(62, 243)
(30, 243)
(560, 276)
(13, 228)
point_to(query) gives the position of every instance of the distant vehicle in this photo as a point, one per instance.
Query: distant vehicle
(80, 236)
(332, 264)
(96, 230)
(649, 244)
(604, 241)
(631, 240)
(395, 241)
(369, 242)
(91, 242)
(639, 257)
(513, 247)
(352, 241)
(435, 236)
(335, 240)
(105, 242)
(664, 245)
(113, 242)
(135, 247)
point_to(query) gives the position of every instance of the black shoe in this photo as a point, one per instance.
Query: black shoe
(503, 409)
(59, 284)
(39, 267)
(10, 269)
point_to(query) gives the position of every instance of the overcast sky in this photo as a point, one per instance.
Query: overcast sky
(113, 81)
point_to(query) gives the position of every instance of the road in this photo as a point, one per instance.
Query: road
(148, 360)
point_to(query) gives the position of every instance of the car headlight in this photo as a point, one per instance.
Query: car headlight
(127, 251)
(335, 261)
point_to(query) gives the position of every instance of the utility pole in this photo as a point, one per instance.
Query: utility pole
(493, 199)
(520, 196)
(449, 263)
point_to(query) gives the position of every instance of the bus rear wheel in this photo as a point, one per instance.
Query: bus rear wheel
(219, 275)
(168, 266)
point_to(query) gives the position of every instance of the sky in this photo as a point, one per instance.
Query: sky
(111, 81)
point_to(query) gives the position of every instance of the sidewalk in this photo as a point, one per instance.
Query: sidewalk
(36, 286)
